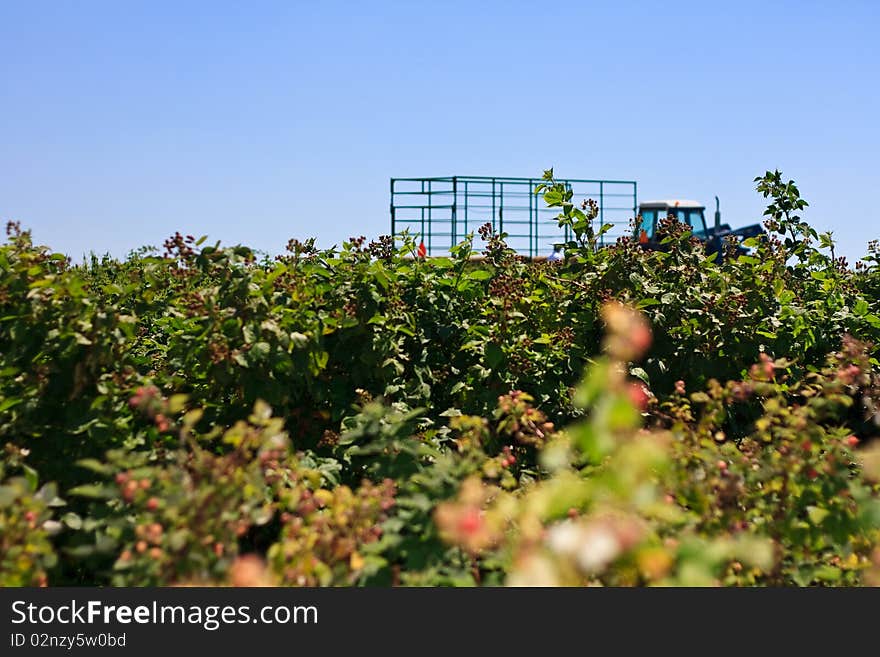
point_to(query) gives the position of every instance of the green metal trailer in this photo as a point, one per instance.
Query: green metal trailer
(441, 211)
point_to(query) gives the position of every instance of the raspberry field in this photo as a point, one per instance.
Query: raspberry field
(202, 414)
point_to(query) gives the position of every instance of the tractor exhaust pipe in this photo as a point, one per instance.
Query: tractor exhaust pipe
(717, 215)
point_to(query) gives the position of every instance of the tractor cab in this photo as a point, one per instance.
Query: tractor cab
(691, 213)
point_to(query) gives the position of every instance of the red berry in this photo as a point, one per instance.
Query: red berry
(852, 441)
(152, 504)
(470, 522)
(162, 423)
(638, 395)
(641, 338)
(722, 465)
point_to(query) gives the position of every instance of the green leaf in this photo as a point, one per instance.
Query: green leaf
(299, 340)
(94, 465)
(260, 350)
(552, 197)
(9, 402)
(72, 520)
(480, 275)
(621, 414)
(640, 373)
(494, 355)
(93, 491)
(827, 574)
(318, 361)
(8, 495)
(33, 479)
(817, 514)
(177, 539)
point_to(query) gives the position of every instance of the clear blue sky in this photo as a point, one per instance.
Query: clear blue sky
(121, 122)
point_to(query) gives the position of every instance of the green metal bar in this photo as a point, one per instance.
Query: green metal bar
(393, 229)
(493, 204)
(429, 216)
(567, 229)
(635, 204)
(533, 242)
(513, 179)
(466, 220)
(501, 208)
(454, 210)
(446, 206)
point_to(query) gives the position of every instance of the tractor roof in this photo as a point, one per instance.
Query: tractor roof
(673, 203)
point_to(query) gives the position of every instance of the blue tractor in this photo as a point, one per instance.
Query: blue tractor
(693, 214)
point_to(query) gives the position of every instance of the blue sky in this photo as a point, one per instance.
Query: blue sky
(122, 122)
